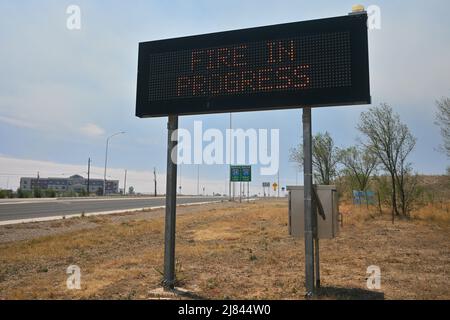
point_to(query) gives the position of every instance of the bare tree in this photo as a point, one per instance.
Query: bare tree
(325, 158)
(443, 121)
(391, 142)
(408, 188)
(359, 163)
(404, 177)
(383, 185)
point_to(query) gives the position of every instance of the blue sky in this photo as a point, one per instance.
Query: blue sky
(63, 92)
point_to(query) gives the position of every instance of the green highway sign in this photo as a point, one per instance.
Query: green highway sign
(246, 173)
(241, 174)
(235, 175)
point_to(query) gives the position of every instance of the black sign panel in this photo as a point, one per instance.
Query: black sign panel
(311, 63)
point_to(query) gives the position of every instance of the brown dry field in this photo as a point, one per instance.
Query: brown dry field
(235, 251)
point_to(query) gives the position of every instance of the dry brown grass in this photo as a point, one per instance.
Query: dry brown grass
(438, 213)
(232, 252)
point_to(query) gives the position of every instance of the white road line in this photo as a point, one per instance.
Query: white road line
(79, 215)
(25, 202)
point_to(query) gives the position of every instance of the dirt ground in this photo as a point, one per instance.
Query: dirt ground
(228, 250)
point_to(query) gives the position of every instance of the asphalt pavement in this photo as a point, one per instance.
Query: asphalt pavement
(18, 209)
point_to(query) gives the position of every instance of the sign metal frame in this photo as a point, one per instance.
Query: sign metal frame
(173, 49)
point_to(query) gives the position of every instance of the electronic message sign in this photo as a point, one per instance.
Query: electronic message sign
(312, 63)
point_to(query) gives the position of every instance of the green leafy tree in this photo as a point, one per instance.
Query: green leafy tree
(391, 142)
(37, 193)
(50, 193)
(22, 194)
(359, 163)
(99, 191)
(325, 158)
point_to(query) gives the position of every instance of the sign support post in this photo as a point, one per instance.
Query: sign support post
(248, 191)
(316, 253)
(309, 239)
(240, 191)
(171, 202)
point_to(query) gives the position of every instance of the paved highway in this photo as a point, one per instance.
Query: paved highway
(18, 209)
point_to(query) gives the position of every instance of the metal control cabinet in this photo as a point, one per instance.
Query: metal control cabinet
(326, 229)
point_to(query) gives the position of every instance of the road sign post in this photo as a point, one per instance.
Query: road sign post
(265, 185)
(171, 202)
(241, 174)
(307, 165)
(240, 191)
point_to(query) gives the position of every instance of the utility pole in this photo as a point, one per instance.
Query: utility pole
(125, 184)
(278, 183)
(89, 177)
(180, 187)
(36, 187)
(106, 163)
(154, 179)
(106, 159)
(198, 179)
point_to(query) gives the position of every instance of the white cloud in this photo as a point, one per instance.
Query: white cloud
(17, 122)
(92, 130)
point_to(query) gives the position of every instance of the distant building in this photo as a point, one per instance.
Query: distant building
(75, 183)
